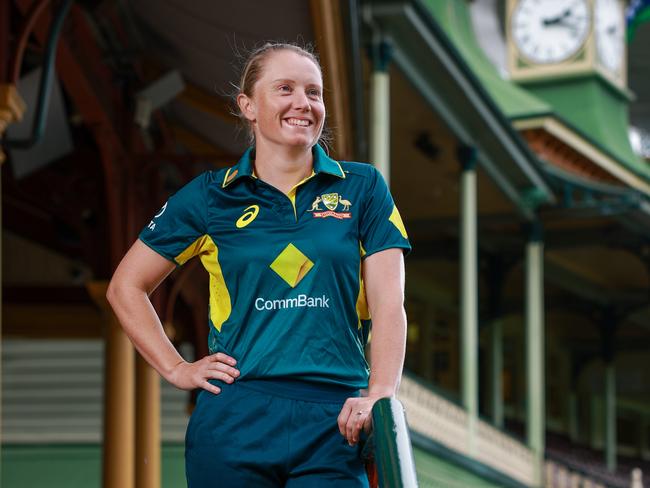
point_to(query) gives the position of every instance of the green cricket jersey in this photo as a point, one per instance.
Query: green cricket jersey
(286, 297)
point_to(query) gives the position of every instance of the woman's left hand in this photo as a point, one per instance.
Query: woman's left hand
(355, 415)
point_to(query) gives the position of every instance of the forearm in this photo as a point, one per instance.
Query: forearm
(387, 350)
(140, 321)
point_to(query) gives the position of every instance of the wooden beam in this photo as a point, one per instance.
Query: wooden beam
(329, 34)
(209, 103)
(196, 143)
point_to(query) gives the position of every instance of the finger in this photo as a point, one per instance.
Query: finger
(211, 388)
(354, 425)
(234, 372)
(342, 419)
(219, 375)
(219, 356)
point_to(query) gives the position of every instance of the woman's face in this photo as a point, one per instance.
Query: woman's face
(287, 106)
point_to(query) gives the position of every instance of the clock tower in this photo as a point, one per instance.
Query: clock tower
(572, 55)
(560, 38)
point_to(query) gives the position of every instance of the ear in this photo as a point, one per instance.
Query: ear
(247, 106)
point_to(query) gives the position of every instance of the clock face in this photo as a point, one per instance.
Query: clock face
(550, 31)
(609, 34)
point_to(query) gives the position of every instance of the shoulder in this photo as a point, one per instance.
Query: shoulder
(208, 180)
(205, 178)
(365, 171)
(365, 175)
(198, 189)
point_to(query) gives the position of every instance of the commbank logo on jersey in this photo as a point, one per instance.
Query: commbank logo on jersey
(331, 201)
(292, 265)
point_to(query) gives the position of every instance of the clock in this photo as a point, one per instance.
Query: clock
(609, 31)
(550, 31)
(560, 39)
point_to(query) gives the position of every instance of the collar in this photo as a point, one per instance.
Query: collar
(322, 164)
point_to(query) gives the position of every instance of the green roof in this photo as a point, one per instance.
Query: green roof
(515, 102)
(587, 104)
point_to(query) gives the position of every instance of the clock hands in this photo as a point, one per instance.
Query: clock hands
(562, 20)
(565, 19)
(559, 19)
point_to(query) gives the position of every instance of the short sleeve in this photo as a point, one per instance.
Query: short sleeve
(381, 225)
(178, 229)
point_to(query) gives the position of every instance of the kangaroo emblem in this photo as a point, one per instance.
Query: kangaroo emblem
(314, 206)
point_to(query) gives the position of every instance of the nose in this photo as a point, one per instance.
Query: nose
(301, 101)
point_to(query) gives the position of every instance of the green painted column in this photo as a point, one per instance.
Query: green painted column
(610, 416)
(380, 109)
(609, 321)
(596, 422)
(643, 435)
(572, 414)
(467, 157)
(496, 363)
(535, 378)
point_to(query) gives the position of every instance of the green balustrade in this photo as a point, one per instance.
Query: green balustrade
(391, 444)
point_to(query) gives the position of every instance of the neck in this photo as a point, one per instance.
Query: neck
(281, 166)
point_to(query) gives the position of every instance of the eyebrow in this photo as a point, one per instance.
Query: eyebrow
(288, 80)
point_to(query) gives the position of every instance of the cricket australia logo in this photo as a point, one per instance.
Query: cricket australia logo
(331, 201)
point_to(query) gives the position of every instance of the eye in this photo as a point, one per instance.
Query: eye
(314, 92)
(284, 88)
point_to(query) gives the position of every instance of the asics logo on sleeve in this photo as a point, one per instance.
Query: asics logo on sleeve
(161, 211)
(249, 215)
(152, 224)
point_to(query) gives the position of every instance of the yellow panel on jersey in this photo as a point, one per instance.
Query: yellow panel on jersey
(362, 304)
(192, 250)
(292, 192)
(396, 220)
(220, 306)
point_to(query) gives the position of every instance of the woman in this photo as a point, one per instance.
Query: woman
(286, 235)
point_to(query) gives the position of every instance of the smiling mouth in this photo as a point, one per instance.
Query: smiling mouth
(298, 122)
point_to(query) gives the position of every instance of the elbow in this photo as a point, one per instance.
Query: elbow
(113, 292)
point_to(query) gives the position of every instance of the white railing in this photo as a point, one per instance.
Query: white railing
(558, 476)
(448, 424)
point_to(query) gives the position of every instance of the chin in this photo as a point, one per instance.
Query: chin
(301, 142)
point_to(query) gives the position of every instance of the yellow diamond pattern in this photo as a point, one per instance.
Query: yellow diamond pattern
(292, 265)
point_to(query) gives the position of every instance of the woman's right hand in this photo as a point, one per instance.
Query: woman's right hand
(219, 366)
